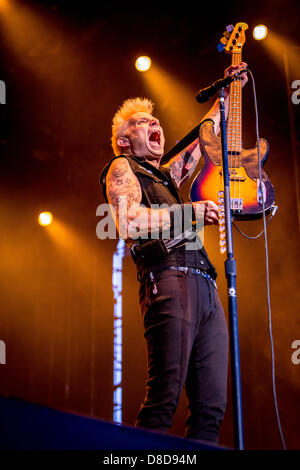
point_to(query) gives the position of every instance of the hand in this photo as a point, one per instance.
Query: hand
(208, 211)
(235, 68)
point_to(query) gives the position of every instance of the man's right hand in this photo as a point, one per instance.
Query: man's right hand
(208, 211)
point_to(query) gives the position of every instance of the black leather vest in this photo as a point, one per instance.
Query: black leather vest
(159, 188)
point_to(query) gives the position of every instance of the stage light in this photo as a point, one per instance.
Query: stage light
(260, 32)
(143, 63)
(45, 218)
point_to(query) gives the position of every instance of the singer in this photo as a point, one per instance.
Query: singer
(185, 326)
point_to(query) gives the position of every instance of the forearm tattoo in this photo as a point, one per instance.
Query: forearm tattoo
(184, 164)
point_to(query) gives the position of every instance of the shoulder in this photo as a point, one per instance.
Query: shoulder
(121, 174)
(115, 167)
(118, 167)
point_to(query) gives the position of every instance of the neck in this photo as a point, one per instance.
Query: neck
(153, 161)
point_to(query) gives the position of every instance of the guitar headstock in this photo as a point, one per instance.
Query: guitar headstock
(233, 38)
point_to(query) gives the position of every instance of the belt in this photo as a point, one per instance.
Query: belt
(175, 268)
(194, 271)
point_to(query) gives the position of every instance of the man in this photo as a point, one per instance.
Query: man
(185, 326)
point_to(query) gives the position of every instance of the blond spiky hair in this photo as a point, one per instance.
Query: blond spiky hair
(128, 108)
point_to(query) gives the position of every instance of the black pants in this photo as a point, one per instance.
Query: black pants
(187, 345)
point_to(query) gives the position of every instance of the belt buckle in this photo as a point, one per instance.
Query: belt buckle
(179, 268)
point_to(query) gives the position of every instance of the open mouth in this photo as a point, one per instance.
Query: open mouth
(155, 137)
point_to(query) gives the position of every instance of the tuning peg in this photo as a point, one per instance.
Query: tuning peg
(230, 28)
(226, 34)
(220, 47)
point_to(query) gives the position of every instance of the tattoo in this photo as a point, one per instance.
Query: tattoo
(184, 164)
(189, 168)
(176, 170)
(120, 183)
(125, 194)
(119, 170)
(115, 197)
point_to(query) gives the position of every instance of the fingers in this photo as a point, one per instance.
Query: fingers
(211, 213)
(207, 212)
(235, 68)
(244, 78)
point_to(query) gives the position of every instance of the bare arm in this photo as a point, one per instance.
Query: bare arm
(124, 194)
(182, 165)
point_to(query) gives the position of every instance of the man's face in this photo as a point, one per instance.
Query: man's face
(144, 136)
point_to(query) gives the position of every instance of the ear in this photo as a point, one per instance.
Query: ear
(123, 142)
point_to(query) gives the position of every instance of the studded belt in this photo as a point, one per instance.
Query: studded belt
(194, 271)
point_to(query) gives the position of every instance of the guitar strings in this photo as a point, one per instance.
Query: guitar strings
(237, 133)
(234, 128)
(239, 130)
(238, 137)
(232, 102)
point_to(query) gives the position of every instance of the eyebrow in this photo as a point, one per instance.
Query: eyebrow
(148, 119)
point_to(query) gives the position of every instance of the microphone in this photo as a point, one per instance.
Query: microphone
(206, 93)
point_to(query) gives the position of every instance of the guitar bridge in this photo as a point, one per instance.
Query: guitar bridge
(236, 204)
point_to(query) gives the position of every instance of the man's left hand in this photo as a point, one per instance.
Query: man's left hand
(235, 68)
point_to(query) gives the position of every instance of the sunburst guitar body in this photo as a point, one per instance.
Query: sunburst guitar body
(245, 190)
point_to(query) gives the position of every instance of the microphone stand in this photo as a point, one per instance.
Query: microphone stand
(230, 271)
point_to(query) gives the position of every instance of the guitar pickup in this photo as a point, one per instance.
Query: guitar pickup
(237, 178)
(233, 176)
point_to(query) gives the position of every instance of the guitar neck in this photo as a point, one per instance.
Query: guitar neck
(234, 121)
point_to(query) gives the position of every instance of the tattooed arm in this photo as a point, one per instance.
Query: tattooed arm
(124, 194)
(183, 165)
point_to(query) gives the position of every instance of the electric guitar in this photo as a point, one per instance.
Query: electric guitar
(245, 189)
